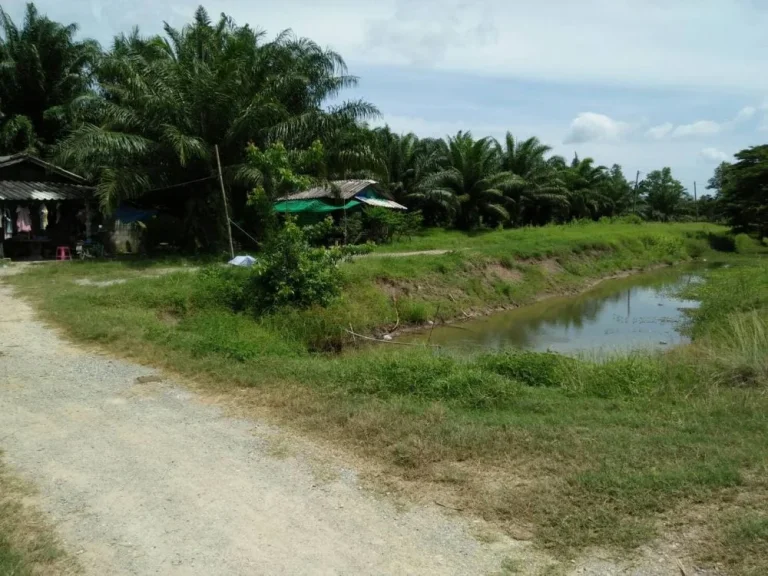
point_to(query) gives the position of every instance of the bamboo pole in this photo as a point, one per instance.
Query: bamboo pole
(224, 198)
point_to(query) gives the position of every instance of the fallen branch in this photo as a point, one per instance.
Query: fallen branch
(356, 335)
(433, 324)
(397, 314)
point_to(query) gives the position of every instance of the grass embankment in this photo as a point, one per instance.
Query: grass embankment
(579, 453)
(485, 272)
(27, 545)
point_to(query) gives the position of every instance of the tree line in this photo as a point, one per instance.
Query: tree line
(148, 113)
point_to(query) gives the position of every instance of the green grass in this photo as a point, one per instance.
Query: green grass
(581, 453)
(27, 545)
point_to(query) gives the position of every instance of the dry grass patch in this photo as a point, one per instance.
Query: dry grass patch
(28, 546)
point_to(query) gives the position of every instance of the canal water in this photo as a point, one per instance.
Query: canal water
(641, 312)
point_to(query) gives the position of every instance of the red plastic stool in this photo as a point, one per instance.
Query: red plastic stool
(63, 253)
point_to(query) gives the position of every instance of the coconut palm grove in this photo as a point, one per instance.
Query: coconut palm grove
(144, 118)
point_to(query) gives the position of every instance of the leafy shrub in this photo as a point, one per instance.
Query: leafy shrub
(290, 272)
(382, 225)
(695, 248)
(629, 219)
(322, 233)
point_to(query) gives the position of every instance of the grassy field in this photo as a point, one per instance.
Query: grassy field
(578, 453)
(27, 545)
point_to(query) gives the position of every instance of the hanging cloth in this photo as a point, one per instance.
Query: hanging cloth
(23, 220)
(43, 217)
(7, 224)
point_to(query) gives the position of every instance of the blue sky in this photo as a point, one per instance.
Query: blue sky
(642, 83)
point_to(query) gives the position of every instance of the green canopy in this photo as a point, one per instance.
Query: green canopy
(291, 206)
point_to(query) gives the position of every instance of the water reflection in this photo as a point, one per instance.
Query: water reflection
(640, 312)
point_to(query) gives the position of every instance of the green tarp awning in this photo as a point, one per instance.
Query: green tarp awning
(291, 206)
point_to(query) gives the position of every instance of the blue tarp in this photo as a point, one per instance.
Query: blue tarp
(128, 214)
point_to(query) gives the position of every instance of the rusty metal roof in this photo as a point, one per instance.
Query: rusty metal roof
(341, 189)
(26, 191)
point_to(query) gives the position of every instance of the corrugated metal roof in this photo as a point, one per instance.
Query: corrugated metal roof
(344, 189)
(381, 203)
(24, 157)
(26, 191)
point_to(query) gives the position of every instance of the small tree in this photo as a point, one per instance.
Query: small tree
(290, 272)
(744, 193)
(664, 196)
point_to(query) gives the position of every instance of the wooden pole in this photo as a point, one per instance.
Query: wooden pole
(634, 202)
(224, 198)
(695, 200)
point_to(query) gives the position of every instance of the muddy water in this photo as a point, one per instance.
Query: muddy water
(638, 312)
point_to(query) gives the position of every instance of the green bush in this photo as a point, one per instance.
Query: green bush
(628, 219)
(290, 272)
(382, 225)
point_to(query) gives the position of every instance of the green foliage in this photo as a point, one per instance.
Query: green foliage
(745, 244)
(165, 101)
(260, 217)
(381, 225)
(273, 171)
(290, 272)
(470, 183)
(531, 368)
(43, 70)
(744, 190)
(665, 198)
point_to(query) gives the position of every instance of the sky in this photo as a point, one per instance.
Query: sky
(641, 83)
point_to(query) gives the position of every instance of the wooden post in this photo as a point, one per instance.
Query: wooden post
(695, 200)
(634, 202)
(224, 198)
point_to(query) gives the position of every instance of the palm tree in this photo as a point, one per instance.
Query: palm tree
(42, 69)
(585, 183)
(165, 101)
(618, 193)
(541, 193)
(470, 182)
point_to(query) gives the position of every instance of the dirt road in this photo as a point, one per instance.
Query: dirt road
(146, 478)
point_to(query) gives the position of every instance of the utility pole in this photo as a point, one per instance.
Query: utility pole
(695, 200)
(634, 203)
(224, 198)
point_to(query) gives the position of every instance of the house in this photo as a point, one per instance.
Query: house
(42, 207)
(337, 195)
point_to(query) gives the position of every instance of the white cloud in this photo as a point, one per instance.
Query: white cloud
(593, 127)
(745, 113)
(700, 128)
(661, 131)
(522, 39)
(713, 155)
(703, 127)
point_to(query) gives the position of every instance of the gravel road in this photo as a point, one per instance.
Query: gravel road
(148, 478)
